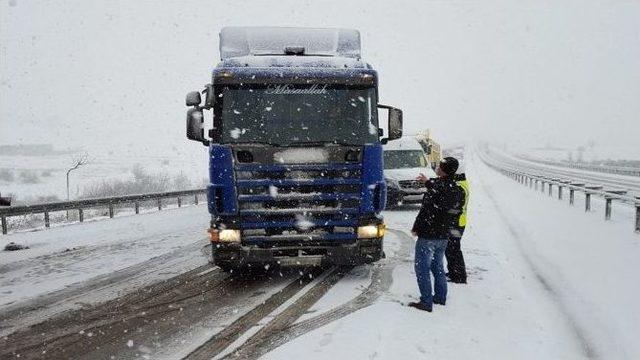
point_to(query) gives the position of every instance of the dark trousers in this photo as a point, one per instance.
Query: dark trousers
(455, 260)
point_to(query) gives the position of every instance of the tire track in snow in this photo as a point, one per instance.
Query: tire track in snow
(223, 339)
(381, 280)
(98, 289)
(580, 334)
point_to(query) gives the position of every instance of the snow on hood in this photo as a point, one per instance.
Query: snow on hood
(407, 173)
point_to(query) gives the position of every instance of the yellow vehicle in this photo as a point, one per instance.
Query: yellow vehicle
(430, 147)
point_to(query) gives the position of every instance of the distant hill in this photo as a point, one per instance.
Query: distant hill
(31, 150)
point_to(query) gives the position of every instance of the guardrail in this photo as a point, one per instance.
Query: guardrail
(535, 180)
(81, 205)
(607, 169)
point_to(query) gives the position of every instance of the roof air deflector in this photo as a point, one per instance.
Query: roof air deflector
(248, 41)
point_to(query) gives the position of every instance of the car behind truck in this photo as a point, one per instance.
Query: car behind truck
(404, 161)
(296, 168)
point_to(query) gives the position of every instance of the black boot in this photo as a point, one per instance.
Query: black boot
(456, 279)
(420, 306)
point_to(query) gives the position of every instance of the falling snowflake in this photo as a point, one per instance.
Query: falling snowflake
(235, 133)
(373, 130)
(302, 223)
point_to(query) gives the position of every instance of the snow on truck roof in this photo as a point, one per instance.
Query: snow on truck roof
(236, 41)
(295, 61)
(404, 143)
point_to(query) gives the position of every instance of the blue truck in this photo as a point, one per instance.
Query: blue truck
(295, 145)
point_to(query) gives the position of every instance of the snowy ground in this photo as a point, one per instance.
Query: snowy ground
(546, 281)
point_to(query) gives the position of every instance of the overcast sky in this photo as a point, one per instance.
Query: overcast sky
(113, 74)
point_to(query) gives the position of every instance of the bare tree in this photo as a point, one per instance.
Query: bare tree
(78, 161)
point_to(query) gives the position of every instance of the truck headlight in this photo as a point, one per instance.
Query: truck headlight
(371, 231)
(226, 235)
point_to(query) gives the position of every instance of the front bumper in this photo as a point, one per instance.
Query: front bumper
(397, 196)
(235, 255)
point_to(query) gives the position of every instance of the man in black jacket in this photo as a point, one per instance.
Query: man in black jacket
(441, 208)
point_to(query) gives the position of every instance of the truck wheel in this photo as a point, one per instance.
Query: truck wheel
(369, 259)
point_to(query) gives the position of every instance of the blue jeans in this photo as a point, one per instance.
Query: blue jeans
(429, 258)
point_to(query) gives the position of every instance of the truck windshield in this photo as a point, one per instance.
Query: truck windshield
(399, 159)
(298, 114)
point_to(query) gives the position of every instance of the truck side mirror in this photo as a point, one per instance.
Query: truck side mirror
(193, 99)
(195, 125)
(208, 96)
(395, 123)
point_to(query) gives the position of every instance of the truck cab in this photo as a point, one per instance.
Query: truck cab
(404, 160)
(295, 149)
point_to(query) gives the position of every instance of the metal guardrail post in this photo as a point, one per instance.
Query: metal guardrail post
(535, 185)
(81, 215)
(572, 196)
(560, 192)
(47, 223)
(638, 218)
(587, 195)
(550, 189)
(541, 185)
(196, 199)
(607, 208)
(159, 204)
(179, 201)
(136, 205)
(587, 201)
(111, 211)
(3, 219)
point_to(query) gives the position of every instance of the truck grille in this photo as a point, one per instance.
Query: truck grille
(285, 204)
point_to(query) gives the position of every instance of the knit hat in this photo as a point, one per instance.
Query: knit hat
(449, 165)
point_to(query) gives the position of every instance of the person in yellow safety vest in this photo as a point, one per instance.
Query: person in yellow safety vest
(457, 272)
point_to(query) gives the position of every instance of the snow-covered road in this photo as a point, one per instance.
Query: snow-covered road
(546, 280)
(616, 181)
